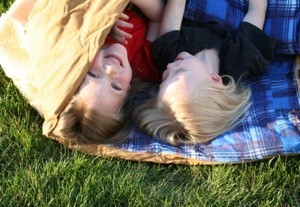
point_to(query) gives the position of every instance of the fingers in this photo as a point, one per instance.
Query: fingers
(124, 16)
(117, 31)
(119, 38)
(122, 33)
(122, 23)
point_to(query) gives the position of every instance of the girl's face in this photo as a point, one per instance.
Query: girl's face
(107, 83)
(184, 77)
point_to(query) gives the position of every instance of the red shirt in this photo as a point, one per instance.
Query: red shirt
(139, 48)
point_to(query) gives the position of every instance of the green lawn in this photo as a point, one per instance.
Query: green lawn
(36, 171)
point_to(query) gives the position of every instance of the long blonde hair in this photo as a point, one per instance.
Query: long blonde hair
(80, 124)
(209, 113)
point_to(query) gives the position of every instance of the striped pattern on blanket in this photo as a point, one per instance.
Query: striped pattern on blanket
(282, 19)
(271, 127)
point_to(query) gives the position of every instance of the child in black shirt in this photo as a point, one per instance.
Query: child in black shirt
(198, 98)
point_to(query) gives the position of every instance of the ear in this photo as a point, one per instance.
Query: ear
(217, 78)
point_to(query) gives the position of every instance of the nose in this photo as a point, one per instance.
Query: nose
(183, 55)
(172, 65)
(111, 71)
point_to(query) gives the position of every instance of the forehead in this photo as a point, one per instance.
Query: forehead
(183, 81)
(173, 91)
(182, 89)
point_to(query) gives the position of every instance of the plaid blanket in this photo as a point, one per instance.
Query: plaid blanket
(272, 124)
(282, 19)
(271, 127)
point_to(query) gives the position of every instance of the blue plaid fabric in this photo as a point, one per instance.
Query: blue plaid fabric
(272, 124)
(282, 19)
(271, 127)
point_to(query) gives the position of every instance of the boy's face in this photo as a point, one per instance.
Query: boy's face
(184, 77)
(107, 83)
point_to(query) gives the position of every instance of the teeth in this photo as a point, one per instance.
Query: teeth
(115, 60)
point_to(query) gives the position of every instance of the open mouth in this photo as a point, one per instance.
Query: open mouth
(178, 58)
(115, 59)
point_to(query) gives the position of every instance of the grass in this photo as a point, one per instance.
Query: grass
(36, 171)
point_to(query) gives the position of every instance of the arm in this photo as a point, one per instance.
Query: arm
(152, 31)
(173, 16)
(256, 13)
(251, 50)
(153, 9)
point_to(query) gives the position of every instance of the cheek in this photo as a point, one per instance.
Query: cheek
(126, 78)
(129, 76)
(96, 62)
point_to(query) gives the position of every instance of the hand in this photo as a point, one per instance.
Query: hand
(117, 33)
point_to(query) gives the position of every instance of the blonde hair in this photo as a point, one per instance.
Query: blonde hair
(81, 124)
(85, 125)
(209, 113)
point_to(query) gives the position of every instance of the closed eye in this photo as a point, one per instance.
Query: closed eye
(114, 86)
(180, 70)
(93, 75)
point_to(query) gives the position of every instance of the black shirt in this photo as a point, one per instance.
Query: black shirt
(250, 50)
